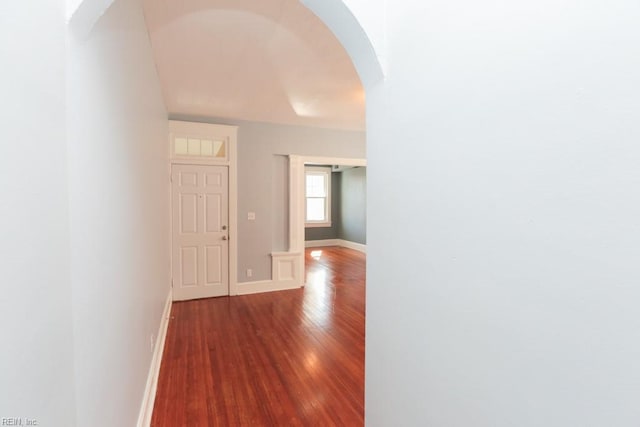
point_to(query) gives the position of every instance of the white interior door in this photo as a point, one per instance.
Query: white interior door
(200, 212)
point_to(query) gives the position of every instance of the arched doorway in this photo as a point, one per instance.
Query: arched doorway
(346, 28)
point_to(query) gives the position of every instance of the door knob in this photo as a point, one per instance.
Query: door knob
(224, 227)
(224, 237)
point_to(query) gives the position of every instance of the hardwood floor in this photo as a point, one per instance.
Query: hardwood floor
(289, 358)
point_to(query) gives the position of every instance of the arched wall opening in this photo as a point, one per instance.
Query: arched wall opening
(82, 15)
(578, 119)
(84, 19)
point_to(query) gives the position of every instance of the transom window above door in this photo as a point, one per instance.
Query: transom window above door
(318, 196)
(200, 147)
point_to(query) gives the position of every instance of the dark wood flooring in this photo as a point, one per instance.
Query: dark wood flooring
(289, 358)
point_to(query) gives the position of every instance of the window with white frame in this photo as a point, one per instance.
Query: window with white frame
(317, 196)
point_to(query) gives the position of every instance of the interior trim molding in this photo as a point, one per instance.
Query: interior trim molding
(248, 288)
(287, 267)
(353, 245)
(149, 397)
(286, 273)
(320, 243)
(336, 242)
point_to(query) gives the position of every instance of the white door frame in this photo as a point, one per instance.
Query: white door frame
(230, 134)
(297, 196)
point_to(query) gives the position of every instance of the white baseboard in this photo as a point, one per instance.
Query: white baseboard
(353, 245)
(149, 398)
(248, 288)
(319, 243)
(336, 242)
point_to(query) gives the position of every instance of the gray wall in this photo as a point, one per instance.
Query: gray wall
(263, 183)
(353, 206)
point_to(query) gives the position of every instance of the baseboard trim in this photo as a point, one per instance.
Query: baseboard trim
(248, 288)
(353, 245)
(336, 242)
(319, 243)
(149, 398)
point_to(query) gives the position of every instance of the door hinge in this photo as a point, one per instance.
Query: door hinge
(172, 282)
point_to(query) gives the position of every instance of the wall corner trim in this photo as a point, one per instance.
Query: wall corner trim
(149, 397)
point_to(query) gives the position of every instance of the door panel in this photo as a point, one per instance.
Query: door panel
(188, 213)
(189, 266)
(214, 258)
(200, 256)
(212, 213)
(188, 179)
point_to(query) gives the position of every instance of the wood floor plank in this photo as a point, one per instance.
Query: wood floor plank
(289, 358)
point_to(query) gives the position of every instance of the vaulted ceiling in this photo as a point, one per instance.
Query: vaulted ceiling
(259, 60)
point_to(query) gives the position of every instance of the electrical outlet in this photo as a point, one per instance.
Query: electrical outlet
(249, 272)
(251, 216)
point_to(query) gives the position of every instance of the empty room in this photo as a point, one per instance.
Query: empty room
(172, 255)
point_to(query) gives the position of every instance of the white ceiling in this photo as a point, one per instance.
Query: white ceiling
(260, 60)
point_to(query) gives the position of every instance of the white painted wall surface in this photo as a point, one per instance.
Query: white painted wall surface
(36, 359)
(119, 201)
(372, 17)
(503, 255)
(366, 45)
(71, 7)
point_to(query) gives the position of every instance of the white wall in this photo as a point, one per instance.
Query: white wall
(36, 360)
(503, 255)
(119, 201)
